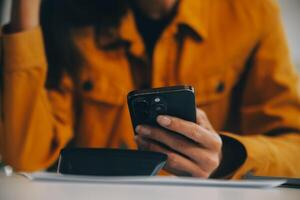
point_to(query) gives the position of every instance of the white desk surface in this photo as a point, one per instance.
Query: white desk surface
(17, 187)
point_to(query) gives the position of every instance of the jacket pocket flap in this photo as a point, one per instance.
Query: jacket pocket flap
(104, 89)
(214, 87)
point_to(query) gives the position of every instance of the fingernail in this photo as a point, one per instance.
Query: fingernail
(163, 120)
(142, 130)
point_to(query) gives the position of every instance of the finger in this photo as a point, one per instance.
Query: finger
(202, 157)
(192, 131)
(172, 140)
(202, 119)
(176, 163)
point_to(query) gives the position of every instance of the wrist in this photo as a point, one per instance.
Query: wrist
(25, 15)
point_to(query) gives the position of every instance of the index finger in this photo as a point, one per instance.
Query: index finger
(191, 130)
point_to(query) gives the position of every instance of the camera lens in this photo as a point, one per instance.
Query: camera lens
(160, 108)
(141, 109)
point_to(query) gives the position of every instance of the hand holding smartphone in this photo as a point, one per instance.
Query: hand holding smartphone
(181, 131)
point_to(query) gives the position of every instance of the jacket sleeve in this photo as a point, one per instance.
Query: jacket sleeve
(270, 110)
(35, 123)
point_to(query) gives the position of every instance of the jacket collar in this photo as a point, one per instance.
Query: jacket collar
(129, 33)
(194, 14)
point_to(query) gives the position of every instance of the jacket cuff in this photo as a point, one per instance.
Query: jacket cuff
(233, 156)
(23, 50)
(256, 155)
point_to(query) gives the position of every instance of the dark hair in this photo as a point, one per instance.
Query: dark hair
(58, 17)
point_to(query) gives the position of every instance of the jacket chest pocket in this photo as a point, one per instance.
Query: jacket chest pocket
(104, 89)
(108, 80)
(214, 87)
(213, 95)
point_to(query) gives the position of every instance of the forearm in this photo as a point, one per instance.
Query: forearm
(28, 131)
(269, 155)
(270, 104)
(24, 15)
(32, 136)
(23, 96)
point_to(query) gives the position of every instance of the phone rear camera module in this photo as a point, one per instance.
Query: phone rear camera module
(141, 109)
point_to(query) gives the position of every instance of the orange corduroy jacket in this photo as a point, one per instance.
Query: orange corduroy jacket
(234, 53)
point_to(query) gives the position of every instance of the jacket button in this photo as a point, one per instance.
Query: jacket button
(87, 85)
(220, 87)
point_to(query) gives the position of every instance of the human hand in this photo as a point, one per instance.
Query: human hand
(196, 154)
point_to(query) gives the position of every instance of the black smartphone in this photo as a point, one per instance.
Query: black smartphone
(146, 105)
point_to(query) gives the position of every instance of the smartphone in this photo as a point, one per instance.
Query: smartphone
(146, 105)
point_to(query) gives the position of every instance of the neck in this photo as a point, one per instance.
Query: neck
(155, 9)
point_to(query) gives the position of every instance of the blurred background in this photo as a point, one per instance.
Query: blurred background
(290, 12)
(291, 16)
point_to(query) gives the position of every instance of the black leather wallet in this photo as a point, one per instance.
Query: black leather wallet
(110, 162)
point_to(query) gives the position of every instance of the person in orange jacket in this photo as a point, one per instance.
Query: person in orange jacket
(65, 81)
